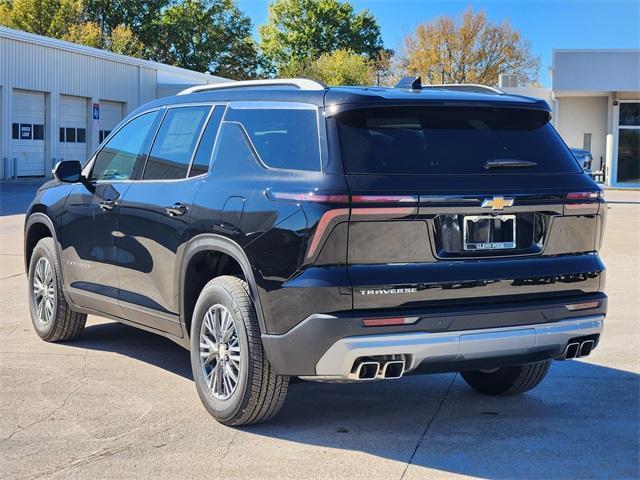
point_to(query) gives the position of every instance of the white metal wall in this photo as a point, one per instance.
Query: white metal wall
(26, 148)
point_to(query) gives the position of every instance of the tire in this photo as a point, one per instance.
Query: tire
(52, 317)
(508, 380)
(258, 393)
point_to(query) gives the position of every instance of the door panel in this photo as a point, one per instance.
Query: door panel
(149, 237)
(88, 226)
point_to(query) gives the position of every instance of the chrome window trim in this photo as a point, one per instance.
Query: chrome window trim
(91, 161)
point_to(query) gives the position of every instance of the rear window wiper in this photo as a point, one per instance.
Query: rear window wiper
(507, 163)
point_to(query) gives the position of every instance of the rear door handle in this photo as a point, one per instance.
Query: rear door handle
(176, 209)
(107, 205)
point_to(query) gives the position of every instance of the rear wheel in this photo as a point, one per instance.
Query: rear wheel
(232, 374)
(51, 315)
(512, 380)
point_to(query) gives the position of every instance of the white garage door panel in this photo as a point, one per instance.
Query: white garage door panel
(73, 117)
(28, 108)
(110, 115)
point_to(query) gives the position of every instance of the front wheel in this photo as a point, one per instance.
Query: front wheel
(512, 380)
(232, 374)
(52, 317)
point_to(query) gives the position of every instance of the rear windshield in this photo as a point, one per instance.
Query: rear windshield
(458, 140)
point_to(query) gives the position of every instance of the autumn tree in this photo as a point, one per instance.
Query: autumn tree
(299, 31)
(342, 67)
(468, 49)
(50, 18)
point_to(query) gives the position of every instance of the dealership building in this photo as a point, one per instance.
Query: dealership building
(58, 100)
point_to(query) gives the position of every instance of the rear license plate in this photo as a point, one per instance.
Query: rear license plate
(489, 232)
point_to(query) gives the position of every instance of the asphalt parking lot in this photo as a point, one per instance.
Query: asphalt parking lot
(120, 403)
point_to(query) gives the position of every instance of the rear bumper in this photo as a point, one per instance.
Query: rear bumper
(446, 340)
(458, 347)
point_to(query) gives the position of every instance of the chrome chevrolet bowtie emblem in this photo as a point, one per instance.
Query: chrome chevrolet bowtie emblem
(497, 203)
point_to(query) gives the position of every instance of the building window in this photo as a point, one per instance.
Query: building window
(70, 135)
(103, 134)
(62, 134)
(15, 131)
(26, 131)
(586, 142)
(81, 135)
(38, 132)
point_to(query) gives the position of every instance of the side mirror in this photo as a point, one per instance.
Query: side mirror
(69, 171)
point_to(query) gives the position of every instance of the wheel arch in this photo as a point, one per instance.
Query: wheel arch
(37, 227)
(218, 244)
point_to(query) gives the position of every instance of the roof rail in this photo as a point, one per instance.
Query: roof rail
(299, 83)
(467, 87)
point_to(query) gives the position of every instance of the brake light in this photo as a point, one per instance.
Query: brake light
(582, 195)
(384, 199)
(385, 322)
(308, 197)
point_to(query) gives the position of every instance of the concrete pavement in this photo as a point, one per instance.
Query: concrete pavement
(120, 403)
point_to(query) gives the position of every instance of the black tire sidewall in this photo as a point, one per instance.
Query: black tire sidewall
(223, 410)
(42, 250)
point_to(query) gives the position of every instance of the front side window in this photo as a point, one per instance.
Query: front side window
(118, 159)
(283, 137)
(176, 141)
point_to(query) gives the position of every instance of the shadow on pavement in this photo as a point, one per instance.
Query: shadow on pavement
(583, 421)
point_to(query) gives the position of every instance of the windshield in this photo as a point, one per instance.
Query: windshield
(453, 140)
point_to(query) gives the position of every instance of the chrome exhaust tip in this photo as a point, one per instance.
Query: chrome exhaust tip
(586, 347)
(392, 369)
(572, 350)
(365, 371)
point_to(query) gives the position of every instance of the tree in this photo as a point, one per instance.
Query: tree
(208, 35)
(142, 17)
(122, 40)
(301, 30)
(342, 67)
(86, 33)
(50, 18)
(468, 49)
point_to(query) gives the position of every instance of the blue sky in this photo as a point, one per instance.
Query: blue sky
(547, 24)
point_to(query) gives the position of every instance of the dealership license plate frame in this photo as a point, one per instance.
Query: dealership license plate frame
(488, 245)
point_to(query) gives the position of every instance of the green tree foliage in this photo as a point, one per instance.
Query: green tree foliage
(299, 31)
(86, 33)
(208, 35)
(342, 67)
(142, 17)
(122, 40)
(43, 17)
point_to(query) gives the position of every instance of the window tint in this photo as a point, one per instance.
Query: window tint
(233, 153)
(203, 154)
(284, 138)
(117, 160)
(174, 145)
(435, 140)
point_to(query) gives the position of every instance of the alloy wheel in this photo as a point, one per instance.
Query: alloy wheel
(220, 352)
(44, 291)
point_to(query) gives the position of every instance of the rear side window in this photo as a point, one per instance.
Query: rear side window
(283, 137)
(454, 140)
(175, 143)
(118, 158)
(203, 154)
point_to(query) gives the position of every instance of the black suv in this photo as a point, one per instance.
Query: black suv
(282, 228)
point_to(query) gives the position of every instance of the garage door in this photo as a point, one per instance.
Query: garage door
(110, 116)
(27, 133)
(73, 128)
